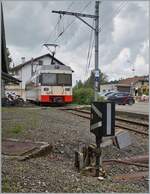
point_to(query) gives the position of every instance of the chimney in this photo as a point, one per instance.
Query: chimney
(23, 59)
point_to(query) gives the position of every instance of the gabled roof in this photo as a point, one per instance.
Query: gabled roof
(35, 59)
(130, 80)
(10, 79)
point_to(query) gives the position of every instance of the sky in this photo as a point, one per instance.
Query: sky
(123, 37)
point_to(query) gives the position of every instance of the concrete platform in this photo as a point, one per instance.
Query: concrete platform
(138, 108)
(23, 149)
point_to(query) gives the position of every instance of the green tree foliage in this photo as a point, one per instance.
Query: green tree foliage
(79, 84)
(9, 58)
(83, 95)
(90, 81)
(83, 92)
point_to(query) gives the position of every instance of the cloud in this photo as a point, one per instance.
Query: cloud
(119, 65)
(123, 36)
(141, 66)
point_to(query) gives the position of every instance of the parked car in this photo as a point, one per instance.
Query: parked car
(106, 93)
(121, 98)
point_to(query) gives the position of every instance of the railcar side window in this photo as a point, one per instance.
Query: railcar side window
(48, 79)
(64, 79)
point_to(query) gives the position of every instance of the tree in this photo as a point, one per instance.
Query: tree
(78, 85)
(90, 81)
(9, 58)
(83, 93)
(113, 82)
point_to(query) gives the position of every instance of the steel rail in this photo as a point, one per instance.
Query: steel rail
(131, 129)
(117, 125)
(126, 162)
(118, 118)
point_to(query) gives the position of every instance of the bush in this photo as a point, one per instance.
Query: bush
(100, 99)
(146, 93)
(83, 95)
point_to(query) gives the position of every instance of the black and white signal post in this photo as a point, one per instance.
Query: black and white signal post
(102, 124)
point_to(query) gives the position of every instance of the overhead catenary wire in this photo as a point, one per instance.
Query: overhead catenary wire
(90, 48)
(117, 11)
(90, 43)
(90, 57)
(102, 15)
(61, 33)
(72, 21)
(114, 14)
(55, 28)
(59, 19)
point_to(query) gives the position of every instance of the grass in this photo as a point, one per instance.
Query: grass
(5, 185)
(19, 122)
(17, 129)
(74, 104)
(9, 187)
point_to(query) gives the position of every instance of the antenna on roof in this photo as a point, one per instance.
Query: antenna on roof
(52, 52)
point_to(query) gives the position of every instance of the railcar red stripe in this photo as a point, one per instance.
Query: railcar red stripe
(49, 98)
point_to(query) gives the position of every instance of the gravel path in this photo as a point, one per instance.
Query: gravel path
(55, 172)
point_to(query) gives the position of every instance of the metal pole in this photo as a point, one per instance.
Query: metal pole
(96, 82)
(98, 142)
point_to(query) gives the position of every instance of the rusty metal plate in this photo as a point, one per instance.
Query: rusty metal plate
(18, 148)
(131, 177)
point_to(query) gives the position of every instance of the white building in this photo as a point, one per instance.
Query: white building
(26, 70)
(108, 87)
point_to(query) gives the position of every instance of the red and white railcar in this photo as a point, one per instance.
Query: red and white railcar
(50, 84)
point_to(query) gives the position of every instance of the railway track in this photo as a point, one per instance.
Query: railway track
(121, 122)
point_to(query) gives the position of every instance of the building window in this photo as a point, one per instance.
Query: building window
(40, 62)
(16, 72)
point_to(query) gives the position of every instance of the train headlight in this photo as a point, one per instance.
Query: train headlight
(46, 89)
(67, 89)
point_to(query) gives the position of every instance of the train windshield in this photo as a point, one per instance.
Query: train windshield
(64, 79)
(48, 79)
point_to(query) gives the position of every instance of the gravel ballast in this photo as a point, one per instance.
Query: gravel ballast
(55, 171)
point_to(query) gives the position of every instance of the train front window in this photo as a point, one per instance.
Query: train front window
(48, 79)
(64, 79)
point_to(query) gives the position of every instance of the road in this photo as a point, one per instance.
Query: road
(139, 107)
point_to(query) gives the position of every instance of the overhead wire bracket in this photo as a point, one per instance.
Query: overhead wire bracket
(85, 22)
